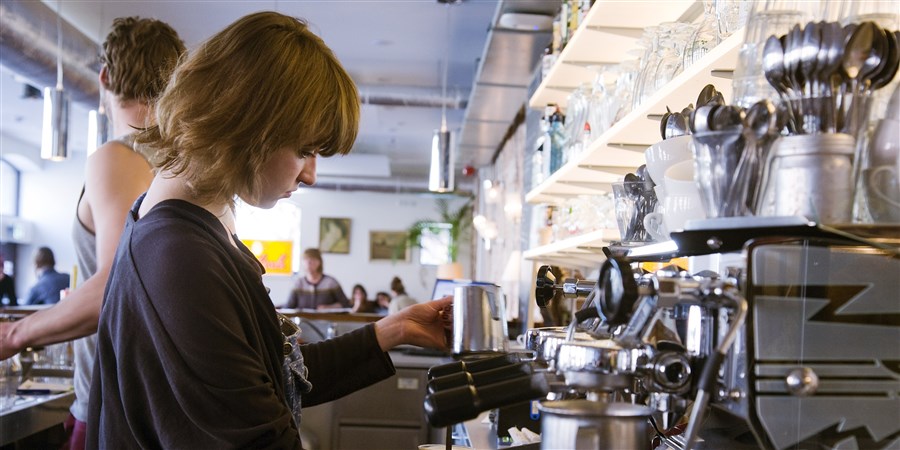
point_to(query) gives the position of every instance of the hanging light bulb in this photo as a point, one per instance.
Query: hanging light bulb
(441, 176)
(55, 131)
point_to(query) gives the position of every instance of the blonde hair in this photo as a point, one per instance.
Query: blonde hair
(264, 83)
(139, 55)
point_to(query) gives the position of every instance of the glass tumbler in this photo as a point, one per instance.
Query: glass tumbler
(633, 201)
(773, 17)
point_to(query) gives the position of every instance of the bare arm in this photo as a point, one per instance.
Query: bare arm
(115, 177)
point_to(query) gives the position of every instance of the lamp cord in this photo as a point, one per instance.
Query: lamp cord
(446, 64)
(59, 69)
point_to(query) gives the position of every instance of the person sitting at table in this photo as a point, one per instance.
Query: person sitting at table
(7, 286)
(361, 302)
(50, 282)
(382, 302)
(400, 300)
(315, 290)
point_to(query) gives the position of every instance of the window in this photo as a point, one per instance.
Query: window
(276, 231)
(435, 244)
(9, 189)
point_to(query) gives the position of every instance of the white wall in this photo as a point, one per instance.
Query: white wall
(368, 211)
(49, 195)
(47, 199)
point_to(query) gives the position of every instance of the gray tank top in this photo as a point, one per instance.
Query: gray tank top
(84, 348)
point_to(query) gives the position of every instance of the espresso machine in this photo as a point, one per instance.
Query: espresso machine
(795, 348)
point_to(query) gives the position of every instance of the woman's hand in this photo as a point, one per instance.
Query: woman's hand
(424, 324)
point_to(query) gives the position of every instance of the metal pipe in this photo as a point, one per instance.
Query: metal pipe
(28, 45)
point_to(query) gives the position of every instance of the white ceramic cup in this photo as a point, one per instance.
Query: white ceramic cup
(663, 154)
(682, 202)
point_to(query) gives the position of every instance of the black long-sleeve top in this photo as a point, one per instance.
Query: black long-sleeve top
(189, 351)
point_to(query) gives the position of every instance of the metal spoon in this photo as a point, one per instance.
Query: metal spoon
(891, 59)
(705, 95)
(809, 52)
(856, 53)
(663, 121)
(700, 119)
(773, 65)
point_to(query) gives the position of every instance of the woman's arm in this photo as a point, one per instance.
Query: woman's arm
(114, 178)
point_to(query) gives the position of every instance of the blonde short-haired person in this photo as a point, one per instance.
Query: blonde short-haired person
(190, 348)
(138, 55)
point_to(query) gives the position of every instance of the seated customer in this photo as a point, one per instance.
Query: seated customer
(361, 302)
(382, 302)
(50, 282)
(315, 290)
(7, 286)
(400, 300)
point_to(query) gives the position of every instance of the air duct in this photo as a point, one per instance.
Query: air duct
(410, 97)
(28, 48)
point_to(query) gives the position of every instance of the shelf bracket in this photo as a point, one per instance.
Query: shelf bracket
(587, 64)
(595, 186)
(628, 146)
(562, 88)
(722, 73)
(621, 31)
(618, 170)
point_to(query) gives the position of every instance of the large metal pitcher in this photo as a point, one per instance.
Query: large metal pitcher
(479, 320)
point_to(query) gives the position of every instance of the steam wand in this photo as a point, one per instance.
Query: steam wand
(708, 377)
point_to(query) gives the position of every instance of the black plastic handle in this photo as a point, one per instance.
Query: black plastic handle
(465, 403)
(478, 379)
(472, 366)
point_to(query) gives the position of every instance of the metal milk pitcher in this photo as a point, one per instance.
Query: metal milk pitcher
(479, 320)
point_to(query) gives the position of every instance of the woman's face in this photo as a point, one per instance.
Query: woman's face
(358, 294)
(312, 265)
(282, 174)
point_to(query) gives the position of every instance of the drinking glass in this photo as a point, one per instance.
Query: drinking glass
(772, 17)
(704, 37)
(633, 201)
(731, 16)
(716, 157)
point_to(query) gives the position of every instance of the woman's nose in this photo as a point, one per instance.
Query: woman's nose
(308, 173)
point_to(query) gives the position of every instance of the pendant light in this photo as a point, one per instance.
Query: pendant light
(55, 130)
(441, 175)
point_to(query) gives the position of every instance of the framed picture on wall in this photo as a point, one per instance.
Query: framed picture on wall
(388, 245)
(334, 235)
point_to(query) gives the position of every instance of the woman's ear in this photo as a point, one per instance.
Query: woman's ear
(104, 77)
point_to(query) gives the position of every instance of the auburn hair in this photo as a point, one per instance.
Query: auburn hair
(264, 83)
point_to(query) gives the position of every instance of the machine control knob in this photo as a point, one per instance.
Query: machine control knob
(672, 370)
(545, 287)
(802, 382)
(618, 290)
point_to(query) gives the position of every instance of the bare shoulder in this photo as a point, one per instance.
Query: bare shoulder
(115, 159)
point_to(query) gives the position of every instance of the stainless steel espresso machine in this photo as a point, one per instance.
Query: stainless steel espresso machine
(797, 346)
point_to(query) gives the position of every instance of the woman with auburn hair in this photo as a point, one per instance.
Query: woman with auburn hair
(191, 353)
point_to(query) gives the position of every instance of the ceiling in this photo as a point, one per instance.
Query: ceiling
(394, 50)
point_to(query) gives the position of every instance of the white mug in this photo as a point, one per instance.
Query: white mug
(682, 202)
(655, 224)
(663, 154)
